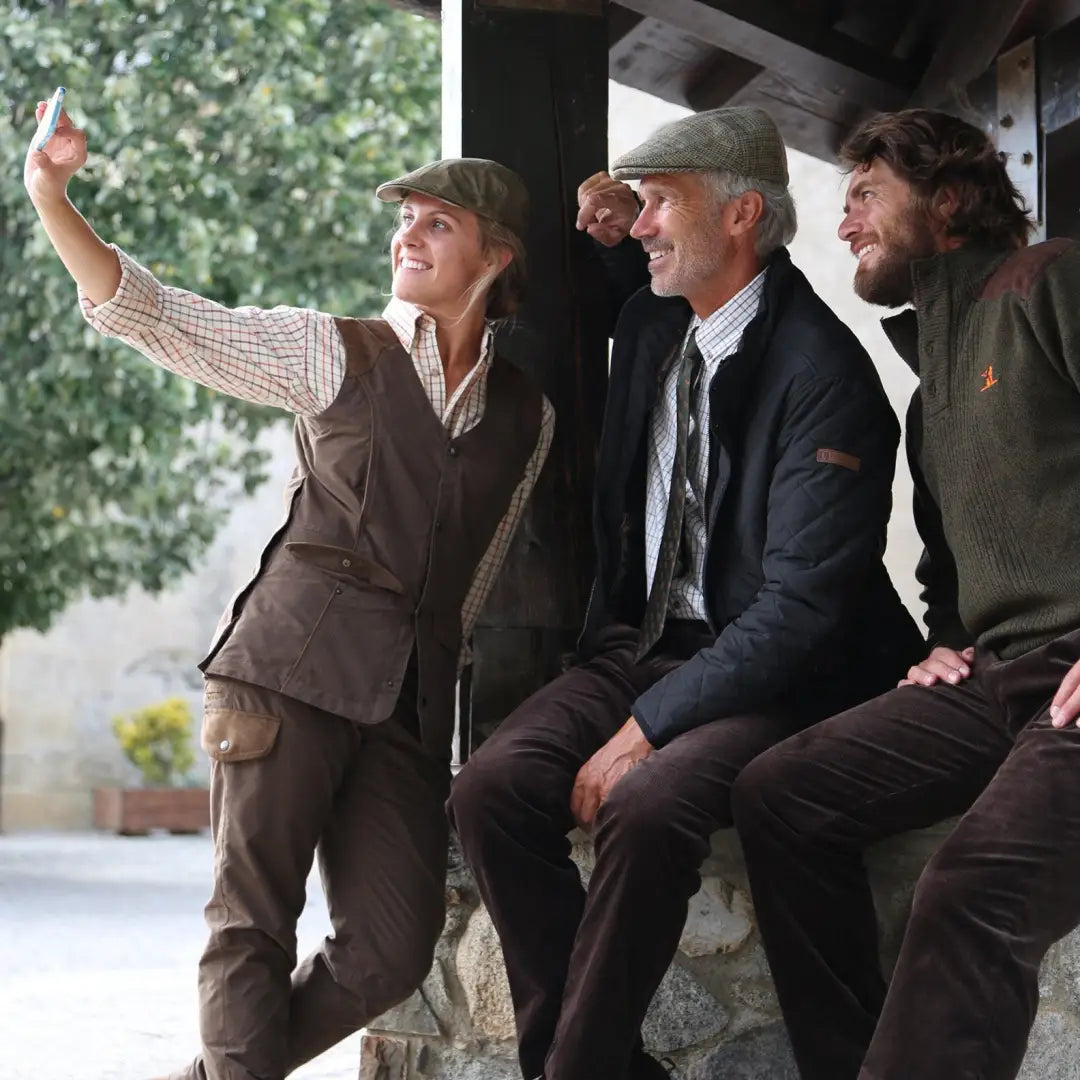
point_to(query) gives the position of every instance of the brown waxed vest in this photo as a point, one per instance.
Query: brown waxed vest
(387, 519)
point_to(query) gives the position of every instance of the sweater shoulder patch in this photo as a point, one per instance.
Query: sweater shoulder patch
(1022, 269)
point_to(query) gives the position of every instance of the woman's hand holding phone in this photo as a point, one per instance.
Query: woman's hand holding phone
(46, 172)
(89, 260)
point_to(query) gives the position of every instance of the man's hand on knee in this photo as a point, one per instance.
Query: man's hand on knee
(942, 665)
(596, 778)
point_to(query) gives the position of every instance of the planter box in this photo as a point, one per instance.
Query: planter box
(135, 811)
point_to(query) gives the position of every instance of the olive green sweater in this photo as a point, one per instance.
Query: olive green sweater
(994, 441)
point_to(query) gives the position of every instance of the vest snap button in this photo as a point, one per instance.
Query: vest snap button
(453, 451)
(390, 683)
(438, 524)
(337, 591)
(224, 745)
(346, 562)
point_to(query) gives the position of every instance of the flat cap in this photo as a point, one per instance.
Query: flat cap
(484, 187)
(742, 141)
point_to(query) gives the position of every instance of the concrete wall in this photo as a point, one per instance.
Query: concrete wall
(59, 691)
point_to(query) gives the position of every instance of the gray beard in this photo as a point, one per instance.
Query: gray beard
(696, 266)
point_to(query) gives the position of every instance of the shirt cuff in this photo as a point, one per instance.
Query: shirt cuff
(136, 305)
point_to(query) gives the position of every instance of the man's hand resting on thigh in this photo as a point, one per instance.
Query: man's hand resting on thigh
(1066, 704)
(595, 779)
(942, 665)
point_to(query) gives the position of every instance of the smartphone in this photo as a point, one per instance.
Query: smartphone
(49, 119)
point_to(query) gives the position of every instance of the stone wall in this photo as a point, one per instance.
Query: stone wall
(715, 1016)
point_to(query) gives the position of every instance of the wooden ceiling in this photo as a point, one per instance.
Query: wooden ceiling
(817, 66)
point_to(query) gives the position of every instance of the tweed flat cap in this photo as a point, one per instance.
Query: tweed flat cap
(742, 141)
(484, 187)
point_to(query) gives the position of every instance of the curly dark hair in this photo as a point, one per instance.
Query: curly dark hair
(930, 150)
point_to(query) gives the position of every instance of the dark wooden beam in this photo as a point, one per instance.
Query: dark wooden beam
(774, 37)
(977, 31)
(620, 23)
(717, 81)
(811, 119)
(1044, 18)
(529, 88)
(1061, 163)
(657, 58)
(1059, 78)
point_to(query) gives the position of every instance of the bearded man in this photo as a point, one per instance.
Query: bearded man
(985, 726)
(742, 494)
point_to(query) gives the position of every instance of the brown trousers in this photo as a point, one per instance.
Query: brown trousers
(998, 893)
(584, 965)
(289, 780)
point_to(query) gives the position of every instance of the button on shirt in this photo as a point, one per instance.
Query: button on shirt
(718, 337)
(294, 358)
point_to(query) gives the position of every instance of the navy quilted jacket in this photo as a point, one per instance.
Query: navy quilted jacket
(802, 447)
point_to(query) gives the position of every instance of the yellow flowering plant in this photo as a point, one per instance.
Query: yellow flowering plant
(157, 741)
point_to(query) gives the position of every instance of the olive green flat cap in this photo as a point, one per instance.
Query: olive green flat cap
(742, 141)
(484, 187)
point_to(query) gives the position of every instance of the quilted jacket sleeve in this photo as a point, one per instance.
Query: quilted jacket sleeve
(626, 269)
(827, 515)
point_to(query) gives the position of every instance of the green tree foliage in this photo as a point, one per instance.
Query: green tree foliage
(234, 149)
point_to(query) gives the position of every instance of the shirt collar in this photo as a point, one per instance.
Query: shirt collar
(410, 324)
(719, 335)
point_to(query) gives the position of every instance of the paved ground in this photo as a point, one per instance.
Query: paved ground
(99, 941)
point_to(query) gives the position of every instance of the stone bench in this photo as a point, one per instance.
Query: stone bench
(715, 1015)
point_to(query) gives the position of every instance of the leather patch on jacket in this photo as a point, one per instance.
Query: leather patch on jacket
(232, 735)
(1022, 268)
(838, 457)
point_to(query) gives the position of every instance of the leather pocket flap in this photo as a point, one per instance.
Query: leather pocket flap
(231, 735)
(345, 561)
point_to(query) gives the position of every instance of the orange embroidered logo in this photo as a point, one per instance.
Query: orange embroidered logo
(990, 379)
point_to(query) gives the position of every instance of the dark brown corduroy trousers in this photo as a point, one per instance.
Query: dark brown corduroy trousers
(584, 965)
(1000, 891)
(370, 800)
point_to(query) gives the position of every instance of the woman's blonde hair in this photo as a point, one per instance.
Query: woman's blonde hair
(505, 289)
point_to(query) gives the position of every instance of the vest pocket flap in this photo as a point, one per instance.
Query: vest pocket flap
(232, 735)
(339, 560)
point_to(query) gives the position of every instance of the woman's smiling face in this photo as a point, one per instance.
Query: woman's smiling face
(437, 255)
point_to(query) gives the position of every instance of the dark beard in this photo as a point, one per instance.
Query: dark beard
(889, 284)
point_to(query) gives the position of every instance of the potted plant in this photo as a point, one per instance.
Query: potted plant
(157, 741)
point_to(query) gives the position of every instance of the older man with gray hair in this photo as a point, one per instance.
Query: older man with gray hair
(742, 495)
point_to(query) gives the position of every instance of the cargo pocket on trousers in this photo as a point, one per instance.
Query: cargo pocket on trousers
(232, 735)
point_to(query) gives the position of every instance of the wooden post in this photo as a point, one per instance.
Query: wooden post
(525, 83)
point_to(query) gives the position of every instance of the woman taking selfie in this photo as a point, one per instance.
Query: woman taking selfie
(329, 696)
